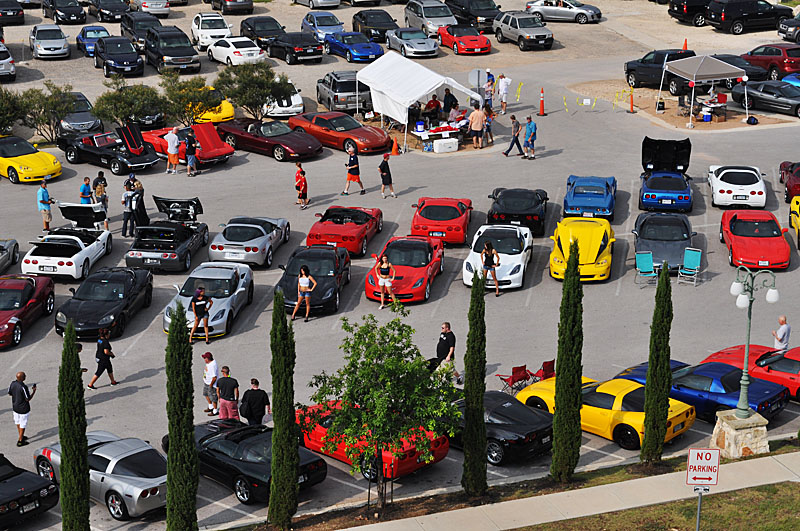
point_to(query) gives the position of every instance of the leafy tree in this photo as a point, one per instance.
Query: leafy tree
(659, 375)
(283, 487)
(188, 99)
(252, 87)
(383, 394)
(72, 436)
(123, 102)
(567, 416)
(44, 109)
(10, 110)
(473, 479)
(182, 468)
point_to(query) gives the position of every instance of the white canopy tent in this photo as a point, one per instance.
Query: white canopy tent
(396, 83)
(701, 69)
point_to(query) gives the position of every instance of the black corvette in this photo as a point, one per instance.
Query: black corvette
(240, 457)
(23, 494)
(108, 298)
(169, 245)
(330, 267)
(121, 151)
(513, 430)
(519, 206)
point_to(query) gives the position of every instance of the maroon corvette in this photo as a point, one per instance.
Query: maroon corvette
(341, 131)
(271, 138)
(790, 177)
(348, 227)
(23, 299)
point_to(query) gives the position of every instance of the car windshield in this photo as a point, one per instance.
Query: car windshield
(145, 464)
(241, 233)
(741, 178)
(529, 22)
(513, 412)
(49, 35)
(271, 129)
(256, 449)
(767, 228)
(120, 47)
(81, 105)
(437, 12)
(668, 184)
(408, 254)
(213, 23)
(482, 4)
(4, 55)
(100, 290)
(731, 381)
(589, 189)
(327, 20)
(503, 241)
(412, 34)
(379, 17)
(7, 470)
(175, 41)
(345, 122)
(66, 3)
(791, 91)
(664, 230)
(112, 3)
(518, 201)
(733, 60)
(439, 212)
(96, 34)
(267, 25)
(318, 266)
(242, 45)
(349, 85)
(345, 215)
(464, 32)
(216, 288)
(144, 24)
(355, 38)
(10, 299)
(15, 147)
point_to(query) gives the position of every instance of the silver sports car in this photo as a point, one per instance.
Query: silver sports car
(249, 240)
(411, 42)
(9, 254)
(228, 285)
(566, 10)
(128, 475)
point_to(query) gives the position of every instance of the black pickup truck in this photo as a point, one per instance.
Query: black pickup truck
(648, 70)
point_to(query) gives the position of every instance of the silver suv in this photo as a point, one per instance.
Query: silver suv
(337, 91)
(523, 28)
(8, 72)
(428, 15)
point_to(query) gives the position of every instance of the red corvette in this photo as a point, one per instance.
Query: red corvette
(341, 131)
(348, 227)
(463, 38)
(210, 147)
(754, 238)
(790, 177)
(416, 260)
(443, 218)
(394, 466)
(765, 363)
(23, 299)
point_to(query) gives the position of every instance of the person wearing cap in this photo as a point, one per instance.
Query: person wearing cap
(490, 84)
(210, 375)
(130, 181)
(386, 176)
(353, 172)
(173, 149)
(103, 358)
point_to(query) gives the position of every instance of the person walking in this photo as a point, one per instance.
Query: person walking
(386, 176)
(503, 84)
(103, 357)
(21, 398)
(353, 173)
(228, 393)
(782, 334)
(102, 198)
(299, 167)
(305, 285)
(487, 110)
(477, 121)
(191, 154)
(516, 129)
(530, 138)
(127, 212)
(446, 348)
(210, 377)
(385, 273)
(490, 260)
(301, 185)
(255, 404)
(86, 192)
(201, 306)
(173, 148)
(43, 201)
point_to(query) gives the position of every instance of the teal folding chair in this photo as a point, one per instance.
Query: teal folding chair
(691, 266)
(644, 266)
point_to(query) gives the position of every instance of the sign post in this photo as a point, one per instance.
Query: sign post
(702, 469)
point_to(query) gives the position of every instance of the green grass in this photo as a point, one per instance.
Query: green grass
(790, 3)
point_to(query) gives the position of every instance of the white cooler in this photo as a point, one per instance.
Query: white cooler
(445, 145)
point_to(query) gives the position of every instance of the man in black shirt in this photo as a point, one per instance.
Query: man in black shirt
(103, 358)
(20, 405)
(386, 176)
(446, 348)
(228, 393)
(191, 153)
(353, 172)
(255, 404)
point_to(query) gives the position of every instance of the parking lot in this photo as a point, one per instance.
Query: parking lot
(521, 325)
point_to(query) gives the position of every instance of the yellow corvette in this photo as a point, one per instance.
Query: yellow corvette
(595, 242)
(224, 113)
(613, 410)
(794, 218)
(22, 162)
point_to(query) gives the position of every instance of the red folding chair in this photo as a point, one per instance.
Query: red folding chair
(548, 370)
(517, 380)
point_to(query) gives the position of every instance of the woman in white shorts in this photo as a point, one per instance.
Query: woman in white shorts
(385, 273)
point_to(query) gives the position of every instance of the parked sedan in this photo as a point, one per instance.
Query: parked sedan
(777, 96)
(765, 363)
(261, 30)
(463, 39)
(126, 474)
(12, 13)
(794, 219)
(519, 206)
(117, 55)
(232, 6)
(110, 10)
(330, 267)
(754, 238)
(80, 119)
(595, 239)
(274, 139)
(319, 23)
(666, 235)
(295, 47)
(590, 197)
(564, 10)
(64, 11)
(236, 51)
(444, 218)
(374, 23)
(348, 227)
(664, 183)
(159, 8)
(417, 260)
(286, 107)
(352, 46)
(23, 494)
(737, 186)
(87, 38)
(47, 40)
(753, 72)
(251, 240)
(411, 42)
(341, 131)
(23, 300)
(514, 246)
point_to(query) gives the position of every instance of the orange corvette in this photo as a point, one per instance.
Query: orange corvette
(341, 131)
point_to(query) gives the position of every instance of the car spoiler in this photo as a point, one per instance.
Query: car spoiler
(132, 136)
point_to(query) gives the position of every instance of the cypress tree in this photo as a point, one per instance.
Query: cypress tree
(473, 478)
(567, 415)
(659, 375)
(285, 434)
(72, 436)
(182, 468)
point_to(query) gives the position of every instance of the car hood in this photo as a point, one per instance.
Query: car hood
(301, 143)
(289, 286)
(538, 31)
(382, 26)
(70, 10)
(209, 140)
(36, 161)
(473, 40)
(405, 277)
(22, 482)
(191, 206)
(51, 43)
(124, 57)
(763, 248)
(588, 243)
(84, 216)
(116, 8)
(666, 155)
(89, 312)
(670, 252)
(419, 44)
(6, 315)
(484, 12)
(80, 117)
(329, 227)
(339, 28)
(367, 48)
(589, 9)
(218, 304)
(182, 51)
(371, 135)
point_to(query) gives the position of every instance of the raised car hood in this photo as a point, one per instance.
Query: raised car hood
(131, 135)
(84, 216)
(209, 140)
(179, 209)
(666, 155)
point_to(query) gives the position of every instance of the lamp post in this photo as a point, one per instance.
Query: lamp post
(744, 288)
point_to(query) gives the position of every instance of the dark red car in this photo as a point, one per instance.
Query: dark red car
(271, 138)
(777, 59)
(23, 299)
(790, 177)
(210, 147)
(348, 227)
(417, 261)
(442, 217)
(341, 131)
(754, 238)
(765, 363)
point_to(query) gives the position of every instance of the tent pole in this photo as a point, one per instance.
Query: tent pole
(691, 107)
(661, 85)
(746, 110)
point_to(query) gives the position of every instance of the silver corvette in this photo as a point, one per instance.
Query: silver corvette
(228, 285)
(9, 254)
(411, 42)
(128, 475)
(249, 240)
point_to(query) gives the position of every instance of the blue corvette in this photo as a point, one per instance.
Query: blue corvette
(792, 79)
(88, 37)
(352, 46)
(712, 387)
(665, 185)
(590, 197)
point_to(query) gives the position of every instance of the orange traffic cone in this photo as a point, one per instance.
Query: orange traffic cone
(685, 44)
(395, 150)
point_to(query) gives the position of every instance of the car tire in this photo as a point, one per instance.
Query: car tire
(106, 72)
(786, 197)
(326, 48)
(641, 204)
(536, 402)
(16, 335)
(632, 79)
(403, 51)
(49, 304)
(45, 469)
(499, 35)
(729, 84)
(521, 44)
(268, 258)
(455, 48)
(269, 51)
(148, 296)
(379, 228)
(730, 256)
(349, 143)
(494, 452)
(335, 305)
(675, 87)
(330, 104)
(581, 18)
(349, 57)
(780, 21)
(116, 167)
(538, 17)
(250, 293)
(699, 20)
(279, 153)
(12, 175)
(241, 488)
(84, 270)
(626, 437)
(229, 324)
(347, 277)
(210, 56)
(230, 140)
(439, 39)
(15, 255)
(115, 504)
(72, 156)
(97, 61)
(737, 28)
(749, 104)
(120, 328)
(371, 473)
(109, 246)
(290, 60)
(721, 238)
(160, 68)
(187, 262)
(773, 74)
(205, 237)
(319, 97)
(287, 233)
(228, 61)
(797, 111)
(427, 290)
(363, 250)
(299, 129)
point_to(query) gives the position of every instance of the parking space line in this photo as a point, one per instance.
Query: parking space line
(450, 279)
(700, 431)
(548, 230)
(228, 507)
(343, 482)
(141, 334)
(490, 471)
(24, 354)
(615, 456)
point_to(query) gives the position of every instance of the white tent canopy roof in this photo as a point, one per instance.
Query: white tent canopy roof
(703, 68)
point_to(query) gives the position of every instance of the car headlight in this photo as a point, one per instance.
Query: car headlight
(361, 139)
(55, 162)
(4, 328)
(139, 60)
(418, 283)
(557, 260)
(219, 315)
(166, 58)
(195, 58)
(481, 19)
(61, 318)
(371, 280)
(168, 312)
(97, 123)
(39, 45)
(603, 262)
(106, 11)
(66, 125)
(108, 319)
(60, 13)
(328, 294)
(431, 26)
(469, 267)
(516, 270)
(22, 167)
(374, 32)
(65, 45)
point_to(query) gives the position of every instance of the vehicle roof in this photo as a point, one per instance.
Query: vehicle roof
(784, 45)
(492, 399)
(344, 74)
(114, 449)
(13, 283)
(714, 369)
(326, 114)
(429, 3)
(618, 386)
(46, 26)
(112, 38)
(374, 11)
(752, 215)
(260, 17)
(518, 13)
(239, 39)
(10, 139)
(210, 15)
(94, 28)
(166, 29)
(140, 14)
(315, 250)
(213, 270)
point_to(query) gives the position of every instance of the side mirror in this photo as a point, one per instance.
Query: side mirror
(552, 238)
(299, 90)
(320, 81)
(230, 26)
(694, 234)
(326, 129)
(469, 208)
(375, 256)
(767, 368)
(318, 215)
(177, 288)
(282, 267)
(688, 178)
(784, 230)
(612, 240)
(415, 205)
(544, 23)
(490, 196)
(72, 290)
(283, 27)
(635, 232)
(222, 225)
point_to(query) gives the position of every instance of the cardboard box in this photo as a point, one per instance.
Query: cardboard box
(718, 118)
(445, 145)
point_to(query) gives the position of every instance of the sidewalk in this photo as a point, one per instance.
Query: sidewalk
(595, 500)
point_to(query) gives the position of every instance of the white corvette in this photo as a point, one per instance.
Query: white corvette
(514, 246)
(737, 185)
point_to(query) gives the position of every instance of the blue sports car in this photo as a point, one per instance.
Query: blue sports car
(352, 46)
(792, 79)
(590, 197)
(712, 387)
(88, 37)
(665, 185)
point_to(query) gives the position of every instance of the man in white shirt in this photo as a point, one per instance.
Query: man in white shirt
(503, 84)
(210, 376)
(781, 335)
(172, 150)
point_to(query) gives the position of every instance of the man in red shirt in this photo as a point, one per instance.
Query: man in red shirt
(301, 185)
(432, 108)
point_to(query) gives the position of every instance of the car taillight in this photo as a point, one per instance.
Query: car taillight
(3, 509)
(144, 494)
(760, 193)
(70, 264)
(61, 263)
(153, 491)
(165, 255)
(34, 261)
(247, 249)
(760, 407)
(416, 227)
(722, 17)
(27, 261)
(669, 423)
(456, 229)
(213, 247)
(145, 4)
(502, 216)
(237, 53)
(173, 255)
(220, 247)
(684, 8)
(752, 192)
(319, 47)
(298, 49)
(260, 51)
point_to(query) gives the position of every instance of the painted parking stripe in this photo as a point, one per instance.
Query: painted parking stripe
(590, 449)
(349, 484)
(227, 507)
(489, 470)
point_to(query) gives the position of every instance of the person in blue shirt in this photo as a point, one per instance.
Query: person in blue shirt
(86, 192)
(43, 201)
(530, 138)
